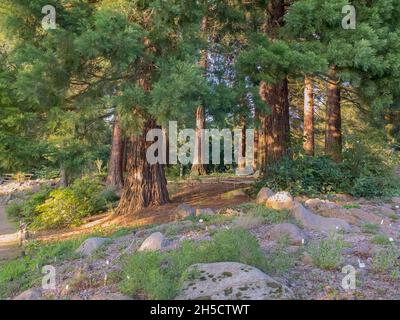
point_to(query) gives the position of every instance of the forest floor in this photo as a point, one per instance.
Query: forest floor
(368, 245)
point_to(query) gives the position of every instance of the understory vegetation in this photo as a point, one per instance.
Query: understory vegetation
(63, 207)
(160, 275)
(360, 175)
(26, 272)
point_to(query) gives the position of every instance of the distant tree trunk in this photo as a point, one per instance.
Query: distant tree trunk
(333, 129)
(242, 151)
(256, 139)
(198, 167)
(115, 164)
(308, 145)
(63, 176)
(146, 184)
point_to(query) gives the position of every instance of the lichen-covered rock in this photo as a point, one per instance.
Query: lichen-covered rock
(263, 195)
(231, 281)
(294, 233)
(330, 209)
(315, 222)
(91, 245)
(280, 201)
(154, 242)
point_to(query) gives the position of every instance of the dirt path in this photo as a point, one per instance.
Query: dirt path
(6, 226)
(7, 236)
(198, 195)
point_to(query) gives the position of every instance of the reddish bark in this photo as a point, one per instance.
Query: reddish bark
(115, 164)
(333, 129)
(309, 144)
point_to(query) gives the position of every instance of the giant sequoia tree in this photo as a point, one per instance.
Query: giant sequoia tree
(359, 60)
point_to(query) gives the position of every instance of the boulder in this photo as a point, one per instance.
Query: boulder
(91, 245)
(280, 201)
(315, 222)
(231, 281)
(207, 212)
(263, 195)
(184, 210)
(294, 233)
(330, 209)
(364, 216)
(154, 242)
(31, 294)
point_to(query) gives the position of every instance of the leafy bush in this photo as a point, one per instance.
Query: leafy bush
(67, 207)
(26, 210)
(304, 175)
(145, 272)
(327, 253)
(369, 177)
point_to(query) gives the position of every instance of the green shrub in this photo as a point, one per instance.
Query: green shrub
(327, 253)
(66, 207)
(372, 186)
(386, 260)
(304, 175)
(362, 176)
(370, 228)
(14, 210)
(270, 216)
(160, 275)
(381, 240)
(26, 210)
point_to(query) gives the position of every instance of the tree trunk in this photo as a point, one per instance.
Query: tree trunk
(198, 167)
(308, 145)
(256, 139)
(333, 129)
(242, 150)
(276, 125)
(276, 96)
(63, 176)
(115, 164)
(146, 184)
